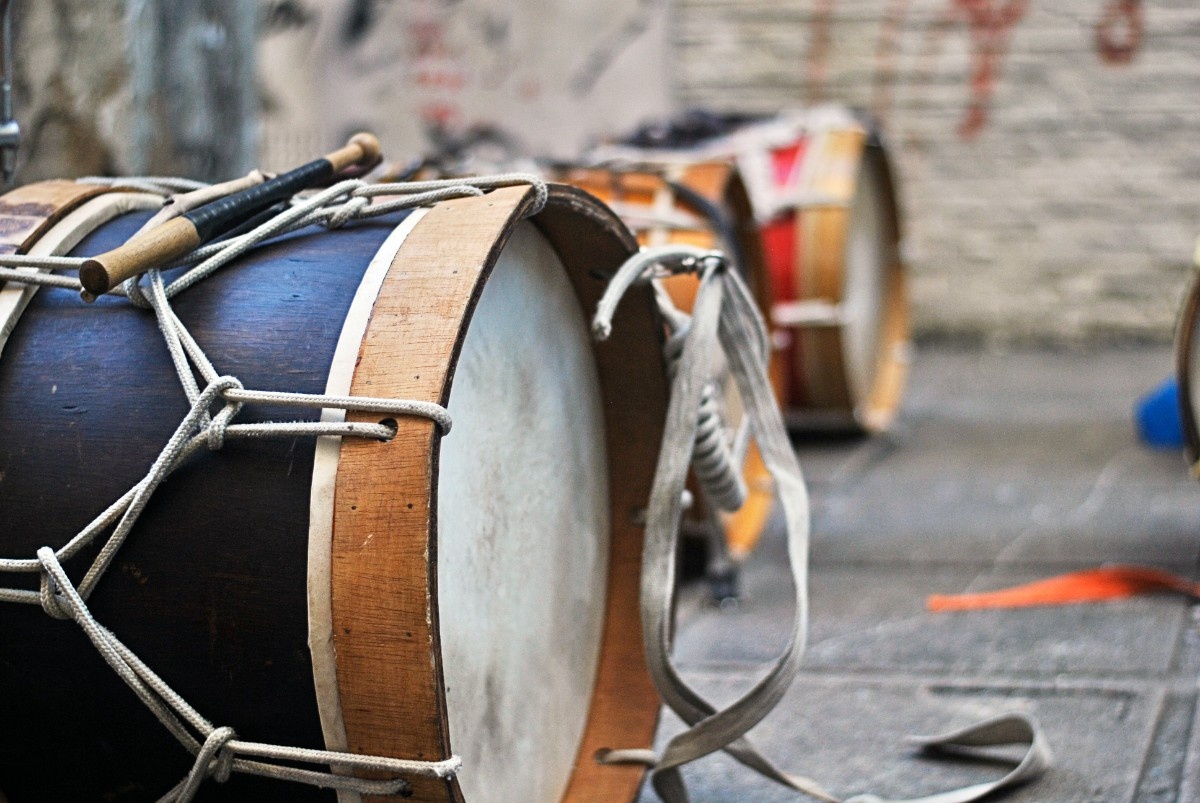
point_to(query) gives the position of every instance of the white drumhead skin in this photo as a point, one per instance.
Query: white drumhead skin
(865, 282)
(522, 532)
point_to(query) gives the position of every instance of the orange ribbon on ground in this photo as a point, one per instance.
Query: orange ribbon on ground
(1091, 585)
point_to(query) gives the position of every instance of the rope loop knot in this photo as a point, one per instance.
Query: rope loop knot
(214, 760)
(215, 431)
(217, 744)
(348, 211)
(54, 601)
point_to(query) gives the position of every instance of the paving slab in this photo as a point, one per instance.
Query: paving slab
(872, 618)
(848, 735)
(1026, 459)
(1003, 468)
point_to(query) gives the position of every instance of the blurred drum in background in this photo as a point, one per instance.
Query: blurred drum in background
(1187, 371)
(703, 204)
(404, 596)
(823, 194)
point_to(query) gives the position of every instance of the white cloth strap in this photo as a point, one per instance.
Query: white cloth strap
(725, 317)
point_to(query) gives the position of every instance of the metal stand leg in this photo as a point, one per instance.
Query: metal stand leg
(722, 572)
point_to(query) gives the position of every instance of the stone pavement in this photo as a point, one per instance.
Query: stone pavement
(1003, 468)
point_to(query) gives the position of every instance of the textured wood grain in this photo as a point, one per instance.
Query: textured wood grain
(384, 539)
(27, 212)
(160, 246)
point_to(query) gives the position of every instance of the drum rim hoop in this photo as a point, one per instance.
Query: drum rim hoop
(499, 213)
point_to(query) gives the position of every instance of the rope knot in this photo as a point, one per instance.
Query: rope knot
(215, 431)
(217, 747)
(213, 760)
(54, 602)
(347, 212)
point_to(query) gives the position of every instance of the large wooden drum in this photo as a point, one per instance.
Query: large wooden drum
(411, 598)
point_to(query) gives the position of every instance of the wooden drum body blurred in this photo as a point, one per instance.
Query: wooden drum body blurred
(1187, 374)
(703, 204)
(411, 598)
(823, 192)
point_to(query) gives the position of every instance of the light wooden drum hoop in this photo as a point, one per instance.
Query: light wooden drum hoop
(414, 598)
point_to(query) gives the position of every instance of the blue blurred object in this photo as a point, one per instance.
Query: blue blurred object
(1157, 417)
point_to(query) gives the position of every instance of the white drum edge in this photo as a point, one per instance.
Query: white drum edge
(62, 237)
(324, 481)
(865, 284)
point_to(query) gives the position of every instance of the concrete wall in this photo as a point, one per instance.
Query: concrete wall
(72, 88)
(1047, 149)
(549, 74)
(135, 86)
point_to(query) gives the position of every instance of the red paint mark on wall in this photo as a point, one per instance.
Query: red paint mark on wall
(894, 15)
(1119, 32)
(990, 27)
(818, 50)
(437, 73)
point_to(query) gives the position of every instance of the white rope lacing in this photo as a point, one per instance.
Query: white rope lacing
(209, 424)
(160, 185)
(726, 319)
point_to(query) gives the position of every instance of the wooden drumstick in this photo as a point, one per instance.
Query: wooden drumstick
(176, 237)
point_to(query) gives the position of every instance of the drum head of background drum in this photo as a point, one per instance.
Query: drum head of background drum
(523, 527)
(868, 263)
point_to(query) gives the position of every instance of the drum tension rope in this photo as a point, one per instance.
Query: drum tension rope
(218, 751)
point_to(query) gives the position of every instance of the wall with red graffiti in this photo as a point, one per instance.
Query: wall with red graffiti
(541, 77)
(1048, 149)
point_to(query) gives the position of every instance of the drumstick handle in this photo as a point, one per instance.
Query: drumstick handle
(177, 237)
(157, 246)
